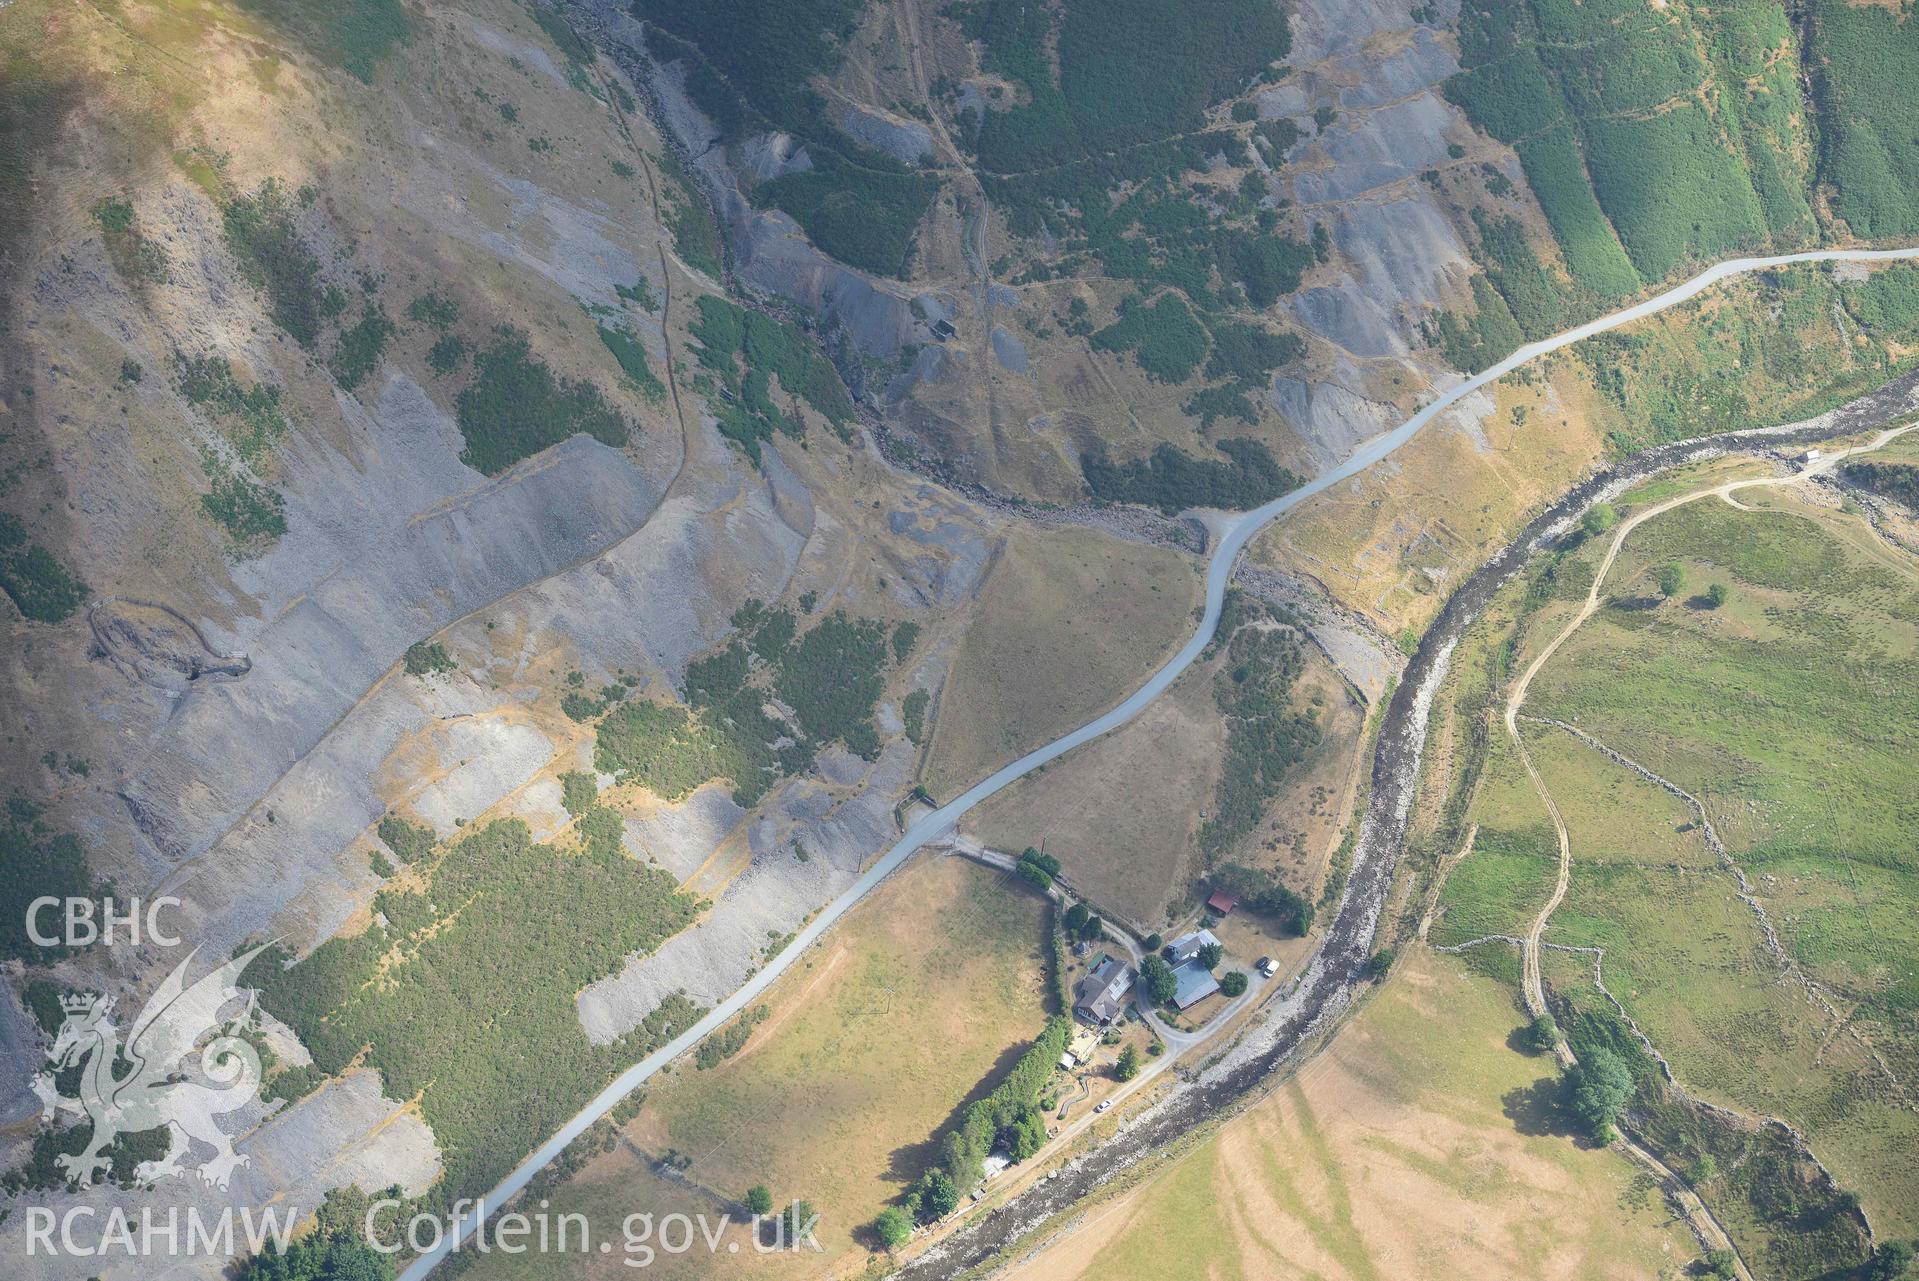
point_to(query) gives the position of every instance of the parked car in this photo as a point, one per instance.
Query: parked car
(1103, 1105)
(1268, 966)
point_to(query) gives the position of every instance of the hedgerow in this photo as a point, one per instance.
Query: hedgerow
(1010, 1114)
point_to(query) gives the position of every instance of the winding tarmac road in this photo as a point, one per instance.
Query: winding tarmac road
(1238, 530)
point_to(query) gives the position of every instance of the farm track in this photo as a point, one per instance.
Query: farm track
(1704, 1223)
(1333, 975)
(1331, 978)
(1516, 698)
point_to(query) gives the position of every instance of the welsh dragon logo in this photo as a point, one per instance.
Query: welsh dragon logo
(145, 1083)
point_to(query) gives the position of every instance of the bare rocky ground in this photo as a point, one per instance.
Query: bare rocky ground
(247, 719)
(1294, 1021)
(250, 789)
(1368, 661)
(1006, 410)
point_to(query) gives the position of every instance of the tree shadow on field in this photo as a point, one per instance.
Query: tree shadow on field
(907, 1162)
(1520, 1042)
(867, 1237)
(1538, 1110)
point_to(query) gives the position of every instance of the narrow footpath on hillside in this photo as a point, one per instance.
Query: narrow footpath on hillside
(1335, 972)
(1704, 1224)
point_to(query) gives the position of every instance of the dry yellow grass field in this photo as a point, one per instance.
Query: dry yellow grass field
(1394, 540)
(1123, 813)
(912, 1007)
(1404, 1150)
(1069, 622)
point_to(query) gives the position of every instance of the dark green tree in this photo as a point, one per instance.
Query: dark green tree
(1541, 1034)
(759, 1199)
(1600, 1088)
(937, 1195)
(799, 1218)
(1034, 874)
(1025, 1134)
(1891, 1261)
(893, 1227)
(334, 1251)
(1156, 977)
(1232, 982)
(1045, 862)
(1128, 1065)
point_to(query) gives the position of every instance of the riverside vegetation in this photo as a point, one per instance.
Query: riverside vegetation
(1782, 710)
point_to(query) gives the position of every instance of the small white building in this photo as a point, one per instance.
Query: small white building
(1187, 946)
